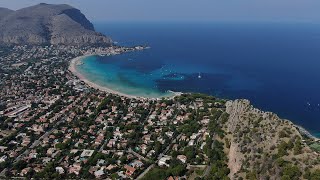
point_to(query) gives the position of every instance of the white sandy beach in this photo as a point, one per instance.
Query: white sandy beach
(72, 68)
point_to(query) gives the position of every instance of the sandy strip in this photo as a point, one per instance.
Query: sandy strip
(72, 68)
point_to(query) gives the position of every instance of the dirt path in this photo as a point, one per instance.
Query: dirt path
(234, 163)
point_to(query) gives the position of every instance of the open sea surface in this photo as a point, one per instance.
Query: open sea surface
(276, 66)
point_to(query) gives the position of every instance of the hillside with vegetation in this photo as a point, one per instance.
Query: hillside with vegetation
(260, 145)
(54, 126)
(246, 143)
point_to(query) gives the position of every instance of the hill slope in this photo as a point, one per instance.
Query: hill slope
(48, 24)
(4, 12)
(263, 146)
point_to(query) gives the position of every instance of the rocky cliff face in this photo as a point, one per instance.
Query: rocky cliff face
(264, 146)
(48, 24)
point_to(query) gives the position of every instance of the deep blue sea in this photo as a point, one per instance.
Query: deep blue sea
(276, 66)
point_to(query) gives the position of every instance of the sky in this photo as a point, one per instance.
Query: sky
(188, 10)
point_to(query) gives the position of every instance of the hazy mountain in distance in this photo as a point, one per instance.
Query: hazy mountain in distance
(4, 12)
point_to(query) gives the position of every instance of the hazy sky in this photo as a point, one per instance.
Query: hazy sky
(188, 10)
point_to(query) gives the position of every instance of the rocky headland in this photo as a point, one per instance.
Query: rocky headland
(48, 24)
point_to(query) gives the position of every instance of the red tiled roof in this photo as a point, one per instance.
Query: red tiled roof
(130, 170)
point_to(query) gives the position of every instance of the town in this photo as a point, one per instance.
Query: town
(54, 126)
(66, 112)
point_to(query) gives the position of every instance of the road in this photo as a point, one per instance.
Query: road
(3, 173)
(145, 172)
(137, 155)
(195, 107)
(168, 147)
(161, 154)
(38, 141)
(34, 144)
(105, 142)
(206, 172)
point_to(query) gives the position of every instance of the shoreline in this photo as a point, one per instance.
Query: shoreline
(72, 68)
(305, 132)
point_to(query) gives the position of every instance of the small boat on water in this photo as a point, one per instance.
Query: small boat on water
(199, 76)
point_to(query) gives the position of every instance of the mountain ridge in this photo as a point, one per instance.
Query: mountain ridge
(4, 12)
(48, 24)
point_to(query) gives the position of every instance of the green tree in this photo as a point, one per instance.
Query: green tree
(291, 171)
(297, 147)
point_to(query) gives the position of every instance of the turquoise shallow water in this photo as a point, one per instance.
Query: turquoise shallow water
(131, 82)
(275, 66)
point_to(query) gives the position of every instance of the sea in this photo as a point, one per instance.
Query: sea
(274, 65)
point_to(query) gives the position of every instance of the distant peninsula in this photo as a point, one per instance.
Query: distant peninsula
(45, 24)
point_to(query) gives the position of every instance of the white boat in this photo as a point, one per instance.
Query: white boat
(199, 76)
